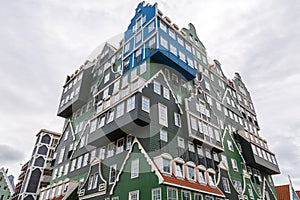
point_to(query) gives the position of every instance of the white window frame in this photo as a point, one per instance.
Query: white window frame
(130, 103)
(146, 104)
(173, 189)
(177, 119)
(135, 166)
(106, 77)
(120, 149)
(163, 135)
(156, 87)
(166, 93)
(110, 173)
(163, 114)
(156, 194)
(132, 193)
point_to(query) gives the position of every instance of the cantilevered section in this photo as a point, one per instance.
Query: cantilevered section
(149, 36)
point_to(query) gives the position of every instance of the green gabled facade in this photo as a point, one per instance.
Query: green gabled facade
(155, 118)
(6, 188)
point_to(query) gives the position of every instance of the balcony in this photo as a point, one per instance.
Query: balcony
(167, 58)
(129, 123)
(76, 95)
(257, 157)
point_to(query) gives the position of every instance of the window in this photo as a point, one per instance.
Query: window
(93, 125)
(191, 147)
(199, 150)
(134, 195)
(105, 93)
(156, 194)
(182, 56)
(250, 191)
(166, 166)
(110, 116)
(82, 142)
(138, 56)
(133, 74)
(163, 135)
(173, 49)
(135, 168)
(102, 153)
(180, 142)
(138, 37)
(166, 93)
(151, 26)
(177, 119)
(106, 78)
(116, 97)
(145, 104)
(143, 68)
(230, 146)
(130, 103)
(172, 193)
(152, 43)
(163, 114)
(175, 78)
(110, 150)
(79, 162)
(172, 34)
(95, 182)
(66, 169)
(211, 180)
(125, 91)
(234, 165)
(73, 165)
(129, 142)
(112, 174)
(135, 85)
(167, 74)
(120, 146)
(85, 159)
(201, 177)
(216, 157)
(120, 110)
(163, 42)
(185, 195)
(194, 123)
(93, 154)
(116, 86)
(127, 47)
(190, 62)
(178, 170)
(226, 184)
(61, 155)
(125, 81)
(198, 197)
(156, 87)
(90, 183)
(66, 135)
(163, 26)
(191, 173)
(102, 121)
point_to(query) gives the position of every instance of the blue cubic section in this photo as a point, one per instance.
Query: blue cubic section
(148, 36)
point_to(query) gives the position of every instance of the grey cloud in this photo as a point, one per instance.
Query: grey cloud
(10, 155)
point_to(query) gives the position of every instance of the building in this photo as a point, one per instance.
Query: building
(156, 110)
(287, 192)
(36, 173)
(6, 186)
(24, 168)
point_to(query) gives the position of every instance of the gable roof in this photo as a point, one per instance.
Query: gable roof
(149, 160)
(160, 72)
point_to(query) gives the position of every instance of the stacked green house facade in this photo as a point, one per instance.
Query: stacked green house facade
(6, 185)
(155, 119)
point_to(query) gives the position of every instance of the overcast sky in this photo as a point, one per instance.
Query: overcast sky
(43, 41)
